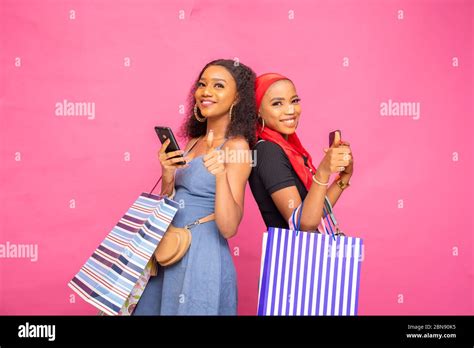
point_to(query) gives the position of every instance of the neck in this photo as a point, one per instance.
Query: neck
(218, 125)
(284, 136)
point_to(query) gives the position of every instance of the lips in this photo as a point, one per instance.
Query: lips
(207, 102)
(289, 121)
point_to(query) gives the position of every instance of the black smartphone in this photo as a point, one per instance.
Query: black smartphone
(165, 133)
(332, 135)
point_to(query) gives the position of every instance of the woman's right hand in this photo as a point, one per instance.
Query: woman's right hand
(169, 164)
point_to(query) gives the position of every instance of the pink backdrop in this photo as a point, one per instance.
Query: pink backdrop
(66, 180)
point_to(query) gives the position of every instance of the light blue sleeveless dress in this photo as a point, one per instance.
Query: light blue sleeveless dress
(204, 281)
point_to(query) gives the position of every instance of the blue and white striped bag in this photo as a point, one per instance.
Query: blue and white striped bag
(309, 273)
(111, 273)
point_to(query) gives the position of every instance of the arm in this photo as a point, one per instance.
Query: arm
(231, 180)
(288, 198)
(277, 177)
(167, 185)
(334, 191)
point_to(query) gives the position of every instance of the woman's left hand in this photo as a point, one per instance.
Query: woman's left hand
(350, 168)
(213, 160)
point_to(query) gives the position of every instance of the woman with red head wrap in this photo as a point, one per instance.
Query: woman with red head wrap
(284, 174)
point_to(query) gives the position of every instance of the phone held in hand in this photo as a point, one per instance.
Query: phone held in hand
(332, 135)
(165, 133)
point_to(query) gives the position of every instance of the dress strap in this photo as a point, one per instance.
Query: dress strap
(195, 142)
(220, 146)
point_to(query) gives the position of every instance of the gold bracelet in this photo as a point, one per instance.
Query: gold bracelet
(319, 182)
(343, 185)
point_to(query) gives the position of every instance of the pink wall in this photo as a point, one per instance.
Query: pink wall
(418, 257)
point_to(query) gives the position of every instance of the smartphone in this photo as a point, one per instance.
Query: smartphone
(165, 133)
(332, 135)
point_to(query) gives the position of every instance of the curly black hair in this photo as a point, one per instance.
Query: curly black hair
(244, 116)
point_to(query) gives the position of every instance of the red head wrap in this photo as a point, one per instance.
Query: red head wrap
(299, 158)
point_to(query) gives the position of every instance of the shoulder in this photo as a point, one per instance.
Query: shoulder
(269, 148)
(237, 151)
(237, 143)
(270, 158)
(272, 166)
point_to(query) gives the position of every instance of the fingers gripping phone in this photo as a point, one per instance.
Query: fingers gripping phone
(165, 133)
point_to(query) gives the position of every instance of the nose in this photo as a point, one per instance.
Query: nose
(290, 110)
(206, 91)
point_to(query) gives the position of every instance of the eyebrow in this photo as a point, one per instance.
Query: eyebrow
(280, 98)
(203, 79)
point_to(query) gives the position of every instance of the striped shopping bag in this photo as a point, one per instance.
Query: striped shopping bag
(111, 273)
(304, 273)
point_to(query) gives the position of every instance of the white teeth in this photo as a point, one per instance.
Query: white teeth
(289, 122)
(207, 102)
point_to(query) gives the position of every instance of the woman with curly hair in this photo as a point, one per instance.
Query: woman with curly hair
(222, 117)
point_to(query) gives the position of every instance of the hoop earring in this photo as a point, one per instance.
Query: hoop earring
(196, 116)
(230, 112)
(263, 123)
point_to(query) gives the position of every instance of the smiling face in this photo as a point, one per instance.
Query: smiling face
(280, 107)
(216, 91)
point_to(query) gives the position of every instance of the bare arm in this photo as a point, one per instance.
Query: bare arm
(334, 191)
(288, 199)
(230, 186)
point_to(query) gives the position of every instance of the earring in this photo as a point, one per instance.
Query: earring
(196, 116)
(263, 123)
(230, 112)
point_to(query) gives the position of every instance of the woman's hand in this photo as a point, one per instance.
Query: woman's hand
(169, 164)
(213, 160)
(350, 168)
(338, 158)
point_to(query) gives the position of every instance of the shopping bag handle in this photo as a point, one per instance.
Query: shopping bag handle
(328, 210)
(156, 184)
(328, 214)
(299, 218)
